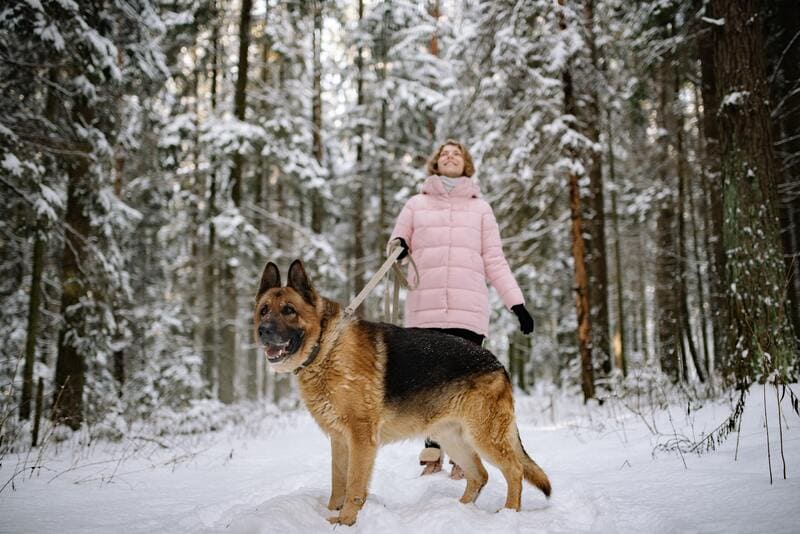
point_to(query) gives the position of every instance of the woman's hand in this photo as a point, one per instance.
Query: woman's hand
(525, 319)
(402, 242)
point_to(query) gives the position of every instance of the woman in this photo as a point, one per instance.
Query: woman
(453, 237)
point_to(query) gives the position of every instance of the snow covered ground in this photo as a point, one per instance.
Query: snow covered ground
(608, 465)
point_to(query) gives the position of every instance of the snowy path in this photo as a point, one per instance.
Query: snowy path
(605, 479)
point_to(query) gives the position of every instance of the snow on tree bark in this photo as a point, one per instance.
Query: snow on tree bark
(759, 326)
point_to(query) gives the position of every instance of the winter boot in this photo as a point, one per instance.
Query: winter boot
(431, 458)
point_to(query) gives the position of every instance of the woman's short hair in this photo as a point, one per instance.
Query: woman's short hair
(433, 161)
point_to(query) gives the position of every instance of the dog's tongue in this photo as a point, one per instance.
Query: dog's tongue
(273, 351)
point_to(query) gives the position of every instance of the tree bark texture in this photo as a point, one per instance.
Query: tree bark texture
(37, 415)
(358, 203)
(519, 350)
(596, 224)
(683, 304)
(759, 324)
(434, 10)
(667, 272)
(229, 355)
(620, 355)
(720, 315)
(211, 326)
(581, 290)
(240, 95)
(582, 303)
(70, 362)
(383, 172)
(34, 301)
(316, 113)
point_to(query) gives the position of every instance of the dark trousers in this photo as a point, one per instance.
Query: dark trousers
(463, 333)
(469, 335)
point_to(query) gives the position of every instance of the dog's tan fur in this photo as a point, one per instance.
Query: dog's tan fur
(343, 388)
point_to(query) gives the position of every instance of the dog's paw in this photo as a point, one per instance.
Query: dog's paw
(343, 519)
(336, 503)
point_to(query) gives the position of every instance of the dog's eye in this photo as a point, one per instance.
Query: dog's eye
(263, 311)
(287, 310)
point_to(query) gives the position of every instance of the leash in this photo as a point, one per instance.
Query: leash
(399, 278)
(394, 251)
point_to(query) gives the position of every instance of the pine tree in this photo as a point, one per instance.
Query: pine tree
(759, 326)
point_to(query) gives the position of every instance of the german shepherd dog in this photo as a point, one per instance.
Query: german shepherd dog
(368, 383)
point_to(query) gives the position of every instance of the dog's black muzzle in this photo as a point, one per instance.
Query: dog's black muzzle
(279, 343)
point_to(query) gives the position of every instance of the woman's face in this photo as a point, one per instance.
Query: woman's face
(451, 162)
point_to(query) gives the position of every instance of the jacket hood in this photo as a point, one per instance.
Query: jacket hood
(466, 187)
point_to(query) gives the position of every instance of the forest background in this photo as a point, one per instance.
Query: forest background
(642, 159)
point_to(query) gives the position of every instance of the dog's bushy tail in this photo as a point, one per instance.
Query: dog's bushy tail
(531, 470)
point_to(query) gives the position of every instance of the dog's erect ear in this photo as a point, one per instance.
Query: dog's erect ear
(271, 277)
(298, 280)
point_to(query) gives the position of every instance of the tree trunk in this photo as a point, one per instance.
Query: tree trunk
(619, 353)
(262, 175)
(229, 353)
(118, 355)
(228, 360)
(683, 296)
(35, 297)
(358, 204)
(519, 349)
(434, 10)
(642, 312)
(578, 255)
(34, 302)
(596, 257)
(240, 96)
(667, 327)
(720, 315)
(316, 111)
(210, 327)
(751, 231)
(701, 287)
(37, 415)
(383, 175)
(701, 293)
(667, 299)
(70, 362)
(581, 290)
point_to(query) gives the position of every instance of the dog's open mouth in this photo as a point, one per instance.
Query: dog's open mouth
(278, 353)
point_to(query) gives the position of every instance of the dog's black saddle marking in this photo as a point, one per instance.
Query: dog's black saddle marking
(419, 359)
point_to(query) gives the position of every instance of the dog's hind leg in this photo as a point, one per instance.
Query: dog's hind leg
(501, 454)
(463, 454)
(338, 471)
(489, 425)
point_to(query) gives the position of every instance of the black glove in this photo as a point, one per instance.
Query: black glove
(525, 319)
(405, 248)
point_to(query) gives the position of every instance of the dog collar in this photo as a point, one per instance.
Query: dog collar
(314, 350)
(310, 359)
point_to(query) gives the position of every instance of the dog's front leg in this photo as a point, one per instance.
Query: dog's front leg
(362, 445)
(338, 471)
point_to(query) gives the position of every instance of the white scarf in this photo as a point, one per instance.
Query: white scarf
(449, 183)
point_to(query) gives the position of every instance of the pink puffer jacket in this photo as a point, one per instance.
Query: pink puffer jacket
(455, 242)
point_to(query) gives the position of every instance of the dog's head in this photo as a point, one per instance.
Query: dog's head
(286, 321)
